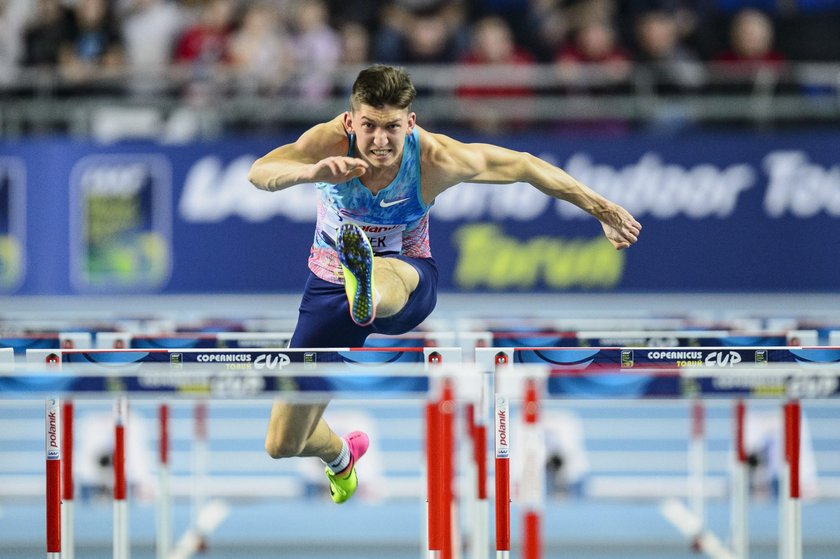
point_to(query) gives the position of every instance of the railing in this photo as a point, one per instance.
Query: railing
(488, 98)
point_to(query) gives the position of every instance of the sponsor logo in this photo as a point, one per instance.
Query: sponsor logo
(761, 356)
(379, 228)
(384, 204)
(502, 430)
(237, 384)
(502, 443)
(558, 262)
(310, 359)
(12, 222)
(812, 386)
(121, 221)
(214, 192)
(799, 187)
(675, 355)
(652, 185)
(52, 432)
(627, 358)
(176, 360)
(722, 359)
(796, 386)
(680, 358)
(223, 357)
(268, 361)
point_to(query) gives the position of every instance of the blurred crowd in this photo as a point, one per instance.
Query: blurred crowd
(266, 42)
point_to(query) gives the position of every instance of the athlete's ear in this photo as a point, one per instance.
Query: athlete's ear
(412, 120)
(348, 121)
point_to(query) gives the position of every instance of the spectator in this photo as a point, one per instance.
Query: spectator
(433, 34)
(669, 64)
(150, 29)
(317, 49)
(44, 34)
(207, 43)
(13, 16)
(695, 21)
(544, 29)
(751, 38)
(665, 66)
(92, 43)
(492, 44)
(751, 64)
(593, 60)
(427, 41)
(261, 50)
(204, 49)
(364, 13)
(355, 44)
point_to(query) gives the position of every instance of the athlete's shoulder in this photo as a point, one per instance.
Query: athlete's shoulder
(327, 138)
(448, 159)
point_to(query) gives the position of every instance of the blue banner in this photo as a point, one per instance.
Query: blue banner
(721, 212)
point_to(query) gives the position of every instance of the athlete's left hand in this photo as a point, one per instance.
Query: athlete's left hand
(620, 227)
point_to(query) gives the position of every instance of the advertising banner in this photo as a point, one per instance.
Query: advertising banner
(721, 212)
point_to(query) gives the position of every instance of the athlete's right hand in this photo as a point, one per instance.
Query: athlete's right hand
(338, 169)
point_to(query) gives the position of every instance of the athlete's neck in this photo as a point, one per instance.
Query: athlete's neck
(376, 179)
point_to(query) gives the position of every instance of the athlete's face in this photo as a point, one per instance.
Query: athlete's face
(380, 133)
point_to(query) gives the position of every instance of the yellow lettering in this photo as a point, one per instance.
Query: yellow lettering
(489, 258)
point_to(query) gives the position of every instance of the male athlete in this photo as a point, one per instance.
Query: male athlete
(373, 219)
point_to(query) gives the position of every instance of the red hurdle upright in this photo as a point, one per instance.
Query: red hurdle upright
(790, 493)
(52, 424)
(740, 485)
(440, 433)
(120, 486)
(502, 437)
(532, 486)
(697, 469)
(164, 531)
(67, 487)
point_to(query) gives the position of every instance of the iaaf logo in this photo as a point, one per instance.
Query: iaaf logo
(268, 361)
(723, 359)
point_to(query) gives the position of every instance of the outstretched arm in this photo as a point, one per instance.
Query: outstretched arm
(455, 162)
(317, 156)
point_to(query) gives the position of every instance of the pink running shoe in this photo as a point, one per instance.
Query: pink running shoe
(343, 485)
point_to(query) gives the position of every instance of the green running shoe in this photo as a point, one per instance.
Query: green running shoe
(356, 257)
(342, 486)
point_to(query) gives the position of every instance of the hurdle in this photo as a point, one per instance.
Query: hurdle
(21, 344)
(665, 379)
(532, 489)
(696, 373)
(186, 340)
(540, 336)
(126, 377)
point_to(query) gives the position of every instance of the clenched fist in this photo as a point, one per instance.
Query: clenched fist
(337, 169)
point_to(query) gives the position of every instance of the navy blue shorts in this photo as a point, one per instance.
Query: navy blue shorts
(324, 318)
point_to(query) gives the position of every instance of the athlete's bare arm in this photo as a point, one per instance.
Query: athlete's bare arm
(319, 155)
(446, 162)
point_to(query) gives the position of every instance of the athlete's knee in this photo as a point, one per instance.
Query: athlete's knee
(284, 446)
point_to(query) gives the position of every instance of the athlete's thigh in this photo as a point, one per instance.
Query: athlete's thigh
(420, 304)
(408, 274)
(324, 318)
(294, 420)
